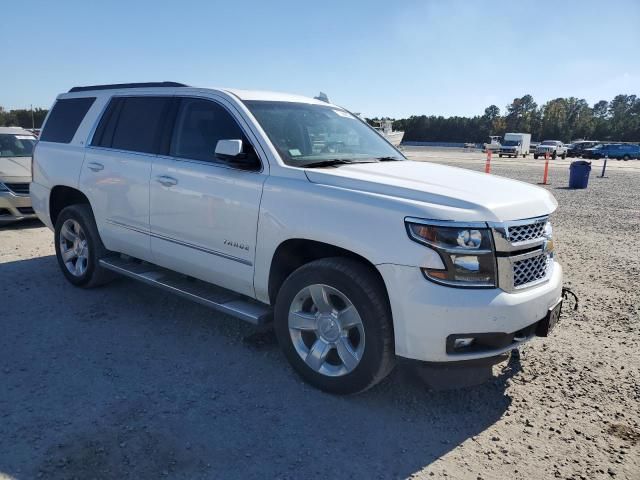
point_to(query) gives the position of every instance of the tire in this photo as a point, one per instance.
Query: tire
(554, 156)
(89, 274)
(535, 156)
(626, 157)
(336, 281)
(500, 155)
(524, 155)
(563, 156)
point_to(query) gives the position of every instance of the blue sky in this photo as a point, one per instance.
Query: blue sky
(379, 58)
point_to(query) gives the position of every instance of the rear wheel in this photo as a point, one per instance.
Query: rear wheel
(554, 156)
(564, 155)
(500, 155)
(626, 157)
(333, 323)
(79, 248)
(535, 156)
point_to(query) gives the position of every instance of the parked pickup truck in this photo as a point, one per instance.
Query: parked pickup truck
(552, 148)
(274, 207)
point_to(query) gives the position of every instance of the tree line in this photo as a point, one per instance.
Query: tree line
(25, 118)
(564, 119)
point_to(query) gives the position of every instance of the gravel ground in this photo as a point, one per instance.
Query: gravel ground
(128, 382)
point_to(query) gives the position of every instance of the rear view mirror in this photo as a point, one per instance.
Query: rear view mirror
(229, 150)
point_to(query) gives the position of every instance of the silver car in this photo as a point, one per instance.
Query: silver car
(16, 150)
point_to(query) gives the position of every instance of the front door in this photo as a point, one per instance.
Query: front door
(204, 212)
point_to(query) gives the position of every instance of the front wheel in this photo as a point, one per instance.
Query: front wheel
(535, 156)
(564, 155)
(333, 323)
(626, 157)
(554, 156)
(79, 247)
(500, 155)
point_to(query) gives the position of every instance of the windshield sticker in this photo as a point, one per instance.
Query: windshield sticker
(294, 152)
(25, 137)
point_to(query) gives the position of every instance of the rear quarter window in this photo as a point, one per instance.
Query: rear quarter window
(64, 119)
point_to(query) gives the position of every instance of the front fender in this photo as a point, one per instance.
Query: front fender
(369, 225)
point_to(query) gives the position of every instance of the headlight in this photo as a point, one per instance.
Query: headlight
(466, 251)
(3, 187)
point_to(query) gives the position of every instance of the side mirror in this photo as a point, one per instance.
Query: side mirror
(230, 150)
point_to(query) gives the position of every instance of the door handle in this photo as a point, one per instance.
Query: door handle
(166, 181)
(94, 166)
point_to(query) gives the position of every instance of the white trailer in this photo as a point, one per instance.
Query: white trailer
(515, 144)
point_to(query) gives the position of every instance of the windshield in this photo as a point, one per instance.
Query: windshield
(12, 145)
(307, 134)
(549, 142)
(511, 143)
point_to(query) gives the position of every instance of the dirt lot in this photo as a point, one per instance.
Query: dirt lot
(128, 382)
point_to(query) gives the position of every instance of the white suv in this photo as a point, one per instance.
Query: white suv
(278, 207)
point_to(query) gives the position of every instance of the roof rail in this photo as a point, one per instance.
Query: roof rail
(114, 86)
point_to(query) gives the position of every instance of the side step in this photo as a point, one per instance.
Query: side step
(209, 295)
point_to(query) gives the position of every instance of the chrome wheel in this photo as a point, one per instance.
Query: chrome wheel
(326, 330)
(74, 248)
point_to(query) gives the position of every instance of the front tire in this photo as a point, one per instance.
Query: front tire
(79, 247)
(333, 323)
(535, 156)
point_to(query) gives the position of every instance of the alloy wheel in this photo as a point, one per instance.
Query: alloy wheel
(326, 330)
(74, 248)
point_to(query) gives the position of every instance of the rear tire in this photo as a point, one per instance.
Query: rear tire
(564, 155)
(535, 156)
(79, 247)
(500, 155)
(554, 156)
(626, 157)
(326, 305)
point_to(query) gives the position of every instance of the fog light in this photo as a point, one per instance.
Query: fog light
(459, 343)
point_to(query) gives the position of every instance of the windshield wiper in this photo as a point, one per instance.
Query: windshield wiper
(388, 159)
(332, 162)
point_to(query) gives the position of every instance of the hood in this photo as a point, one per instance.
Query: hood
(15, 167)
(441, 192)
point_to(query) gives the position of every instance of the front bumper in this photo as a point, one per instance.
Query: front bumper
(425, 315)
(15, 207)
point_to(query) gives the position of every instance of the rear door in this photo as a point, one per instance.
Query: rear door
(204, 211)
(117, 167)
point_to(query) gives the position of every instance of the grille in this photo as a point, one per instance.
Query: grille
(523, 233)
(19, 188)
(26, 210)
(530, 270)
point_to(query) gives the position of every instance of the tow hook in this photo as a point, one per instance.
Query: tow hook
(566, 292)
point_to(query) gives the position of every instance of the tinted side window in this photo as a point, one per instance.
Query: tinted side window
(198, 127)
(104, 133)
(138, 124)
(64, 119)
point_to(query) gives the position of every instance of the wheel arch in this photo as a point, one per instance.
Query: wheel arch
(293, 253)
(62, 196)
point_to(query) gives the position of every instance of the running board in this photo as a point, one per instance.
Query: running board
(209, 295)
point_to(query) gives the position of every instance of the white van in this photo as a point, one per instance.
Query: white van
(515, 144)
(277, 207)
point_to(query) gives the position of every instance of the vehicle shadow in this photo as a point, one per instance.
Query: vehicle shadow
(125, 381)
(22, 225)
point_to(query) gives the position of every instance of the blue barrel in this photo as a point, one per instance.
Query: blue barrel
(579, 174)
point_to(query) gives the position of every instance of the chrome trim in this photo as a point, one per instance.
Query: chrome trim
(505, 270)
(445, 223)
(500, 232)
(180, 242)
